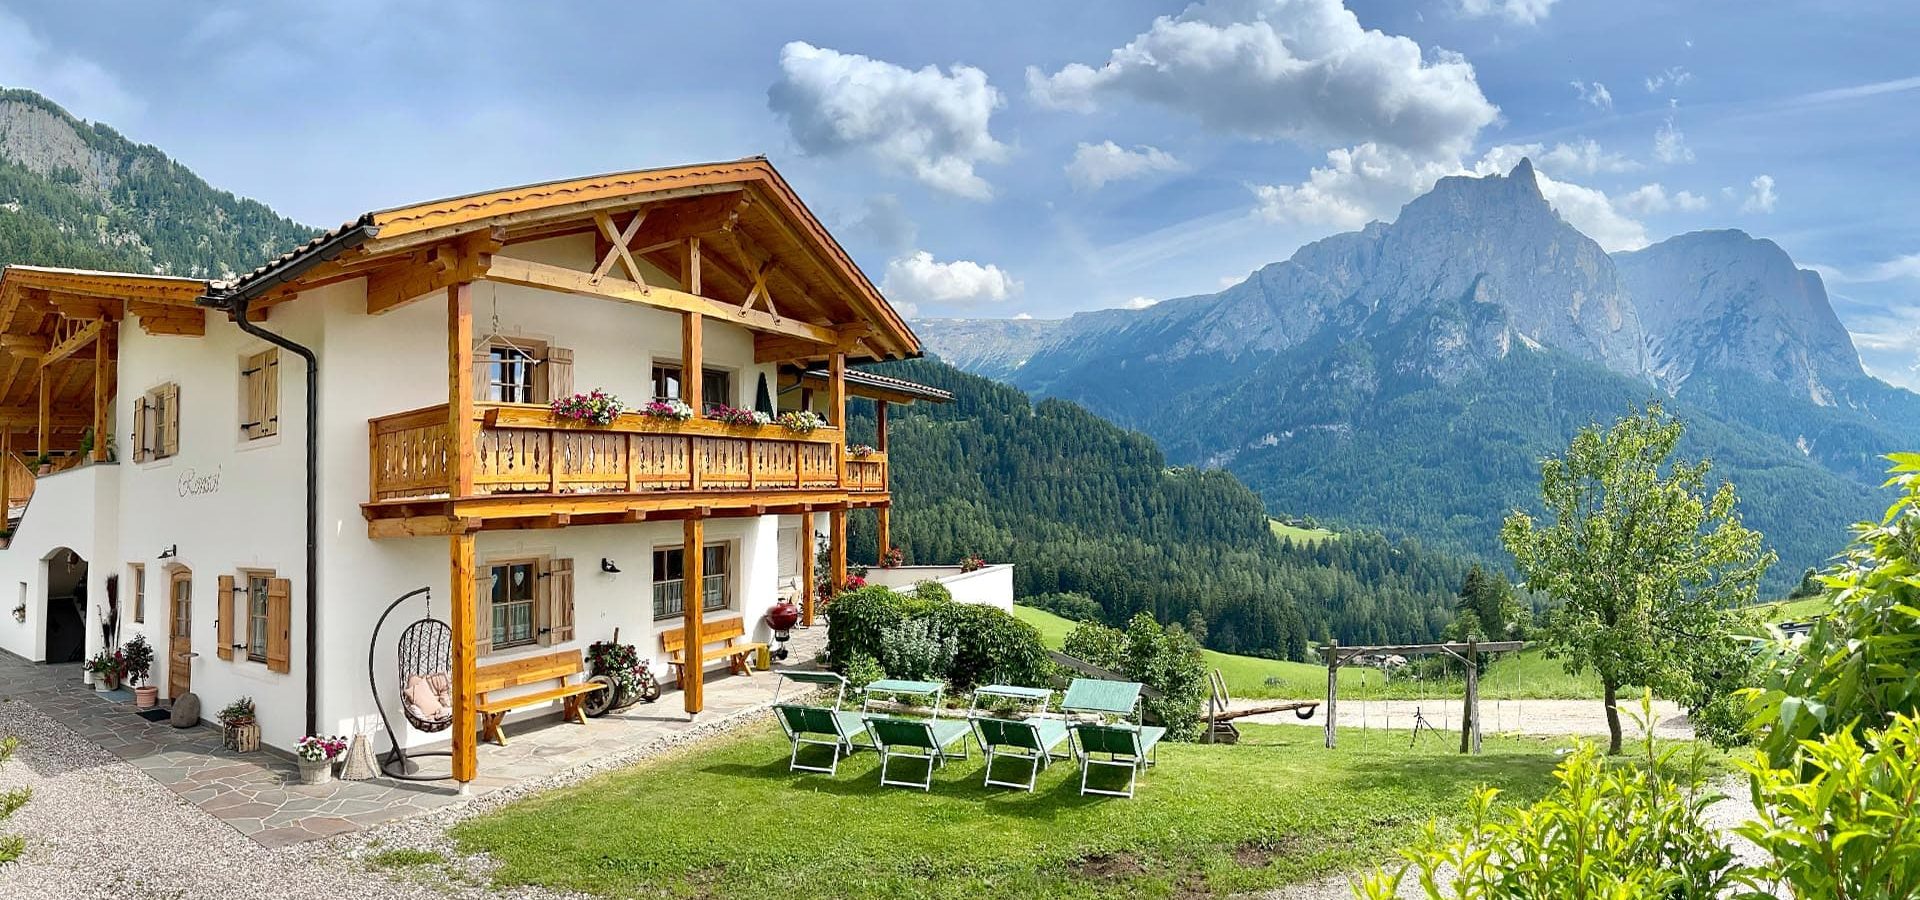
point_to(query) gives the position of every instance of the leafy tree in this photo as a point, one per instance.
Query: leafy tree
(1488, 609)
(1166, 659)
(1857, 668)
(1644, 561)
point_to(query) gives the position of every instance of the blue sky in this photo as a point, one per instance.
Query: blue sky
(1019, 158)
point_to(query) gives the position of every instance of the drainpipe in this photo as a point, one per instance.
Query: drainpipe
(238, 310)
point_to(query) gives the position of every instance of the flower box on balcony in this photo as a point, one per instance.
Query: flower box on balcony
(542, 418)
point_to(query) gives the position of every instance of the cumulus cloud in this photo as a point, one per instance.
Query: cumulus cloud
(1907, 266)
(1094, 165)
(918, 278)
(931, 124)
(1670, 144)
(1022, 317)
(1140, 303)
(886, 223)
(1303, 70)
(1594, 94)
(1760, 196)
(1525, 12)
(1650, 199)
(78, 84)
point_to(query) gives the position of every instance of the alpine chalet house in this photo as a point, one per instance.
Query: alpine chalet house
(290, 451)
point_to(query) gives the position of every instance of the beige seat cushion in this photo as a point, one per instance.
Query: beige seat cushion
(426, 702)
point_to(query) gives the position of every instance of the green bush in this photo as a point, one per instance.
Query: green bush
(1856, 670)
(1096, 643)
(1068, 605)
(916, 650)
(1165, 659)
(929, 589)
(989, 646)
(1842, 824)
(1629, 831)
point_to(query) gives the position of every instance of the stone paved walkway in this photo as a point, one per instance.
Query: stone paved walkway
(259, 793)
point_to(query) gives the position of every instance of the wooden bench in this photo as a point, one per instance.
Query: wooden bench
(729, 634)
(559, 666)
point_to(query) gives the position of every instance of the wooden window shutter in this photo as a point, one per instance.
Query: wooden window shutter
(170, 420)
(270, 392)
(483, 612)
(279, 625)
(139, 441)
(224, 607)
(483, 373)
(559, 374)
(253, 397)
(556, 626)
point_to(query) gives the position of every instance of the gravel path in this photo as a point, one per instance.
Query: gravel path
(1586, 717)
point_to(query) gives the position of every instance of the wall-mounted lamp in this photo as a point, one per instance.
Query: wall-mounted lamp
(607, 566)
(170, 552)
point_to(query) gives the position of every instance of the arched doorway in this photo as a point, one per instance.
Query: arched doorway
(66, 605)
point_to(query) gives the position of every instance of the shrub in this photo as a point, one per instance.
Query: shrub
(863, 670)
(989, 646)
(1096, 643)
(1165, 659)
(916, 651)
(928, 589)
(1068, 605)
(1629, 831)
(1849, 828)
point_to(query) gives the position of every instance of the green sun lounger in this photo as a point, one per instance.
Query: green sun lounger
(926, 739)
(1033, 738)
(820, 726)
(1094, 696)
(1129, 747)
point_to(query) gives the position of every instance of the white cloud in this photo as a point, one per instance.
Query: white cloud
(1668, 79)
(1761, 199)
(917, 278)
(81, 85)
(886, 223)
(1303, 70)
(1650, 199)
(1022, 317)
(1594, 94)
(1670, 144)
(1094, 165)
(1907, 266)
(1525, 12)
(930, 124)
(1140, 303)
(1584, 157)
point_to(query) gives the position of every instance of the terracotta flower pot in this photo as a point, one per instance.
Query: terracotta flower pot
(146, 696)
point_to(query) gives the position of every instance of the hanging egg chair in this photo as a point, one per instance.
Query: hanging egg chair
(425, 667)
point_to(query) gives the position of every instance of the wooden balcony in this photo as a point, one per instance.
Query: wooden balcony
(544, 465)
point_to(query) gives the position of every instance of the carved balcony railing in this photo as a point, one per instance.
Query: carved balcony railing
(521, 449)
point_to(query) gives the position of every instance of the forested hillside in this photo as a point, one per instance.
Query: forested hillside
(1080, 505)
(81, 195)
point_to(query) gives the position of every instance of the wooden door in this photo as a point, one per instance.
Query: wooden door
(180, 633)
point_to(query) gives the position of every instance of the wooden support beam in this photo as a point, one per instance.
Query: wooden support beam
(45, 411)
(692, 591)
(102, 375)
(880, 425)
(558, 278)
(74, 341)
(690, 264)
(518, 222)
(837, 413)
(769, 348)
(883, 532)
(620, 247)
(432, 269)
(461, 432)
(807, 578)
(837, 548)
(691, 358)
(465, 611)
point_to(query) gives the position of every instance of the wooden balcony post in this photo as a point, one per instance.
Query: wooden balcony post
(464, 603)
(6, 477)
(44, 412)
(692, 596)
(690, 389)
(837, 547)
(100, 376)
(883, 529)
(460, 429)
(807, 576)
(880, 425)
(837, 410)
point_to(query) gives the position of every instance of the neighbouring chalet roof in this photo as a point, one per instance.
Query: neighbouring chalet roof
(752, 224)
(873, 385)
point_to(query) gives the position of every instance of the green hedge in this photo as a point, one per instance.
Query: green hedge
(989, 646)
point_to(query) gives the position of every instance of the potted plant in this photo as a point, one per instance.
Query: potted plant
(239, 726)
(893, 558)
(106, 667)
(734, 415)
(972, 562)
(859, 451)
(20, 610)
(43, 464)
(138, 659)
(596, 407)
(801, 421)
(316, 755)
(669, 410)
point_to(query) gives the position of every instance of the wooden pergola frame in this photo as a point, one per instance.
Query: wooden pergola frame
(1467, 652)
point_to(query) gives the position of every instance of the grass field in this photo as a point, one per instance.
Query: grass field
(725, 818)
(1526, 675)
(1298, 534)
(1792, 610)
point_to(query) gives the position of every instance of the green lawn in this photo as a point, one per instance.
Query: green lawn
(724, 818)
(1300, 535)
(1792, 610)
(1526, 675)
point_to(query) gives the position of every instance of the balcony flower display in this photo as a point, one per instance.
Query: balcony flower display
(733, 415)
(669, 410)
(859, 451)
(801, 421)
(593, 408)
(972, 562)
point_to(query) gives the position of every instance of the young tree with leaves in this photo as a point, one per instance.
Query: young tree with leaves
(1644, 560)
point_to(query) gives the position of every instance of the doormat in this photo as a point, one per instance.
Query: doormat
(154, 715)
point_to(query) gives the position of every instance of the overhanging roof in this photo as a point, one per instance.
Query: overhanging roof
(873, 385)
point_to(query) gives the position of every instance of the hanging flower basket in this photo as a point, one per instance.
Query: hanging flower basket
(667, 410)
(733, 415)
(802, 421)
(596, 407)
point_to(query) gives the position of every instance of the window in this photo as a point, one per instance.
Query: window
(260, 394)
(669, 585)
(137, 576)
(515, 587)
(716, 385)
(257, 584)
(521, 370)
(156, 424)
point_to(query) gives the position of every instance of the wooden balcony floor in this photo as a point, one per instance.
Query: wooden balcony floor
(416, 516)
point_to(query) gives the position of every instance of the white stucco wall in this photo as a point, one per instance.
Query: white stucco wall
(990, 586)
(73, 510)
